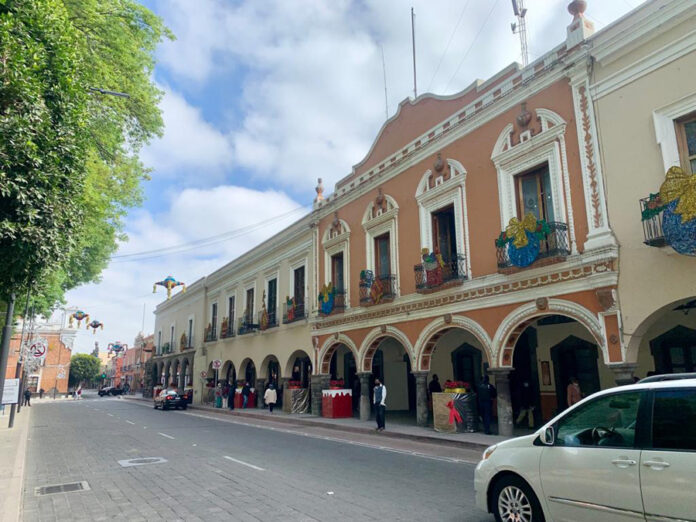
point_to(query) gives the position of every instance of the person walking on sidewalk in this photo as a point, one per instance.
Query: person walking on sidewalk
(486, 394)
(230, 396)
(41, 392)
(27, 397)
(246, 391)
(271, 397)
(380, 396)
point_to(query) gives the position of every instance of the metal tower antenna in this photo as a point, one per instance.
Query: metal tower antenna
(413, 39)
(384, 72)
(520, 27)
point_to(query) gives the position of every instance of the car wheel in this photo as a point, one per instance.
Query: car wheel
(514, 501)
(165, 407)
(183, 407)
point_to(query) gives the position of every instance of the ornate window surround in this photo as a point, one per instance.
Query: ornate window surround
(546, 147)
(665, 131)
(267, 279)
(386, 222)
(191, 318)
(299, 263)
(444, 193)
(335, 245)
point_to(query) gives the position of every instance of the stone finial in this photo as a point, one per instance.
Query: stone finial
(439, 164)
(580, 28)
(320, 191)
(577, 7)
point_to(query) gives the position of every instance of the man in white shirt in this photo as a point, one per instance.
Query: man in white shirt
(380, 396)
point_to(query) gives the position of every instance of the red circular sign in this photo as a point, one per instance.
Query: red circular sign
(38, 349)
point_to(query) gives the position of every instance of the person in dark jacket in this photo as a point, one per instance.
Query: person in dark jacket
(27, 397)
(434, 386)
(230, 397)
(486, 394)
(246, 391)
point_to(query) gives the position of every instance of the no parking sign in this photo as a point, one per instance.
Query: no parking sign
(38, 348)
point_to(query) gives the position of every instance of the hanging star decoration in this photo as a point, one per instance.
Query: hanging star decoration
(78, 316)
(169, 283)
(94, 325)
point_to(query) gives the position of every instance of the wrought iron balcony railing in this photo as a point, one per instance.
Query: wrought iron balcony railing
(247, 325)
(430, 278)
(272, 318)
(375, 290)
(210, 335)
(652, 224)
(554, 245)
(293, 313)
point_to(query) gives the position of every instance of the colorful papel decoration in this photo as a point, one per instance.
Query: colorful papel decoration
(326, 298)
(522, 238)
(78, 316)
(169, 283)
(94, 325)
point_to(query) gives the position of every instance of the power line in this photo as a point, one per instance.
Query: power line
(211, 240)
(454, 31)
(483, 26)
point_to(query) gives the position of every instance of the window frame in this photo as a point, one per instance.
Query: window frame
(682, 145)
(648, 441)
(214, 311)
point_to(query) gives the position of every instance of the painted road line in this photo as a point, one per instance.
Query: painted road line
(165, 435)
(110, 414)
(245, 464)
(130, 422)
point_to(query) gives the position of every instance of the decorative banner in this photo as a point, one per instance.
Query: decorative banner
(522, 239)
(117, 347)
(326, 299)
(78, 316)
(94, 325)
(169, 283)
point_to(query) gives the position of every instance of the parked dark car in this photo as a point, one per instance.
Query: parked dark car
(170, 399)
(110, 390)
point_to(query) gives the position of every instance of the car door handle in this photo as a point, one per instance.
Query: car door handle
(623, 463)
(656, 464)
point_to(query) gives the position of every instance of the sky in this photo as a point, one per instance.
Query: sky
(262, 97)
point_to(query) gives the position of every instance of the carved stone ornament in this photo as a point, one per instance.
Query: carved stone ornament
(613, 338)
(448, 318)
(605, 296)
(383, 329)
(336, 225)
(524, 116)
(320, 190)
(542, 303)
(336, 336)
(439, 164)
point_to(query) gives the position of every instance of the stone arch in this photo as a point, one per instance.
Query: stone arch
(157, 371)
(173, 371)
(427, 340)
(228, 368)
(287, 372)
(329, 347)
(332, 231)
(519, 319)
(368, 215)
(457, 171)
(375, 338)
(186, 372)
(243, 370)
(263, 369)
(167, 372)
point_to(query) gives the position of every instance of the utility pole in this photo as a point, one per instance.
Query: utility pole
(520, 27)
(413, 39)
(5, 345)
(20, 356)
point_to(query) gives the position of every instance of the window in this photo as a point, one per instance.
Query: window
(444, 233)
(533, 192)
(213, 320)
(230, 314)
(607, 421)
(159, 342)
(171, 337)
(249, 312)
(675, 351)
(299, 285)
(382, 256)
(337, 272)
(686, 137)
(272, 299)
(674, 420)
(189, 336)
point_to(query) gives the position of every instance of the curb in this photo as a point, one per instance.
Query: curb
(12, 510)
(338, 427)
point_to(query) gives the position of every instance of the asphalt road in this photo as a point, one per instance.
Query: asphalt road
(228, 469)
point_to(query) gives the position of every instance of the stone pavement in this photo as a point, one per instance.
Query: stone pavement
(12, 451)
(220, 468)
(477, 441)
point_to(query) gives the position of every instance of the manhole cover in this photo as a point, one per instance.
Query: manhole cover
(61, 488)
(141, 461)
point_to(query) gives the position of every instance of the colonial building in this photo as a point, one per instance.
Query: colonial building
(134, 360)
(480, 235)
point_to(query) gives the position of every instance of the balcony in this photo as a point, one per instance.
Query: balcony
(272, 319)
(166, 348)
(553, 248)
(339, 303)
(431, 276)
(651, 212)
(247, 325)
(294, 312)
(210, 334)
(376, 290)
(226, 329)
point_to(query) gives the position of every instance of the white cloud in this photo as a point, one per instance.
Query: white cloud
(311, 71)
(193, 214)
(189, 142)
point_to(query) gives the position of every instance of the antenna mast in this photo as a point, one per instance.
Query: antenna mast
(413, 38)
(384, 71)
(520, 27)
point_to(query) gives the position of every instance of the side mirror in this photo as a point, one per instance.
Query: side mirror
(547, 436)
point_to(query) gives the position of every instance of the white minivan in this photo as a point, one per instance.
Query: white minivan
(627, 453)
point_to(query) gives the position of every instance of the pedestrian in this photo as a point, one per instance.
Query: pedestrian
(380, 396)
(41, 392)
(218, 396)
(79, 392)
(486, 394)
(271, 397)
(356, 393)
(27, 397)
(526, 406)
(230, 397)
(573, 392)
(246, 391)
(225, 394)
(434, 386)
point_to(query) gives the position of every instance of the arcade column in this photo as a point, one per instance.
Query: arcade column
(364, 395)
(260, 390)
(501, 378)
(421, 397)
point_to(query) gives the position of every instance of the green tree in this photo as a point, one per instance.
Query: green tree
(83, 368)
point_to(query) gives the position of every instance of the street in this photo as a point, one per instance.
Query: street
(225, 467)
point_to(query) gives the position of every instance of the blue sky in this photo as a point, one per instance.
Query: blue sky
(263, 97)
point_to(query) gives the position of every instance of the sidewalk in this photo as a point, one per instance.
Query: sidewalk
(13, 446)
(475, 441)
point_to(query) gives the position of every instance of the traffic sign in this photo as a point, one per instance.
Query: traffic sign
(216, 364)
(10, 392)
(38, 349)
(204, 375)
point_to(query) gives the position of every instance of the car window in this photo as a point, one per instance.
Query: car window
(609, 421)
(674, 420)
